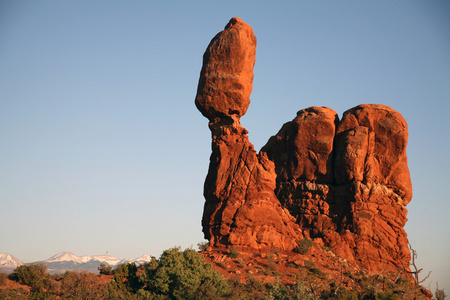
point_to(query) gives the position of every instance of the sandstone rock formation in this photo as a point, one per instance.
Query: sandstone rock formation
(347, 183)
(241, 207)
(343, 183)
(226, 79)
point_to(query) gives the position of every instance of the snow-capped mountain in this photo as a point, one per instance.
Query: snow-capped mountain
(9, 261)
(66, 256)
(67, 261)
(70, 257)
(110, 260)
(138, 261)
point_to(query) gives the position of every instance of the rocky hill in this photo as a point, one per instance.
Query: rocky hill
(343, 183)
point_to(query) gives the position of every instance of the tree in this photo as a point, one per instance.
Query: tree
(82, 285)
(416, 271)
(105, 269)
(125, 277)
(3, 277)
(34, 275)
(184, 275)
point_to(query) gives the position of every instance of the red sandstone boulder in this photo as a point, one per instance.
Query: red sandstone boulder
(377, 218)
(302, 148)
(226, 78)
(371, 146)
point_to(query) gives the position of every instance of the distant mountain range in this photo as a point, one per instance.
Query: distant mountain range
(67, 261)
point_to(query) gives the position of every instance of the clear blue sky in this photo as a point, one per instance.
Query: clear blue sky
(102, 148)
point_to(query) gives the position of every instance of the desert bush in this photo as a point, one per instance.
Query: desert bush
(3, 277)
(439, 294)
(125, 276)
(9, 293)
(327, 248)
(389, 295)
(35, 275)
(232, 252)
(279, 291)
(183, 275)
(340, 293)
(42, 295)
(222, 265)
(271, 263)
(254, 284)
(241, 263)
(303, 246)
(105, 269)
(82, 285)
(120, 293)
(300, 291)
(309, 264)
(202, 246)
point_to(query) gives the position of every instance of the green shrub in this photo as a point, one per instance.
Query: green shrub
(233, 252)
(202, 246)
(3, 277)
(271, 264)
(253, 284)
(41, 295)
(289, 291)
(125, 276)
(300, 291)
(33, 275)
(105, 269)
(349, 274)
(82, 285)
(341, 293)
(304, 245)
(327, 248)
(309, 264)
(184, 275)
(9, 293)
(316, 271)
(386, 296)
(241, 263)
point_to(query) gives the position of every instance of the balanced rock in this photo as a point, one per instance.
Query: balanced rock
(226, 78)
(343, 183)
(302, 149)
(241, 207)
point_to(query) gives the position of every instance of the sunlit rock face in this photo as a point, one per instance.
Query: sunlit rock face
(347, 182)
(226, 79)
(343, 183)
(241, 207)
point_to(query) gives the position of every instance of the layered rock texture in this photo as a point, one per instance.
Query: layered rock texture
(343, 183)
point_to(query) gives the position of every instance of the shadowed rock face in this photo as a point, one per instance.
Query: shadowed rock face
(344, 183)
